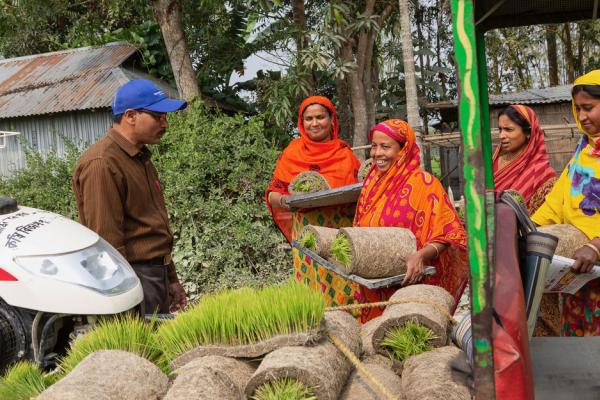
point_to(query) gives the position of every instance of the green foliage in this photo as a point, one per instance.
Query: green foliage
(124, 333)
(46, 181)
(214, 170)
(242, 316)
(23, 381)
(309, 241)
(408, 340)
(284, 389)
(341, 251)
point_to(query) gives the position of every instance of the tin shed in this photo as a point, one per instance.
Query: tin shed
(65, 94)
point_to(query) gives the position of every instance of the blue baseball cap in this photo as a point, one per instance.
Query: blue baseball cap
(143, 94)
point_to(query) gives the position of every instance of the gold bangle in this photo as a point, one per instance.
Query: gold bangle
(595, 248)
(437, 251)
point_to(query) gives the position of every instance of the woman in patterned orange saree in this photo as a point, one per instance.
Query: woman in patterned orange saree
(317, 149)
(397, 192)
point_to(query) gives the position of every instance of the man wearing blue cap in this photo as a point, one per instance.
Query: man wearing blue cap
(119, 195)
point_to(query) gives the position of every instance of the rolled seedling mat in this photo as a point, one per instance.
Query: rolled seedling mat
(252, 350)
(359, 387)
(110, 375)
(322, 368)
(308, 182)
(432, 375)
(323, 238)
(378, 252)
(569, 238)
(385, 361)
(426, 305)
(365, 166)
(210, 377)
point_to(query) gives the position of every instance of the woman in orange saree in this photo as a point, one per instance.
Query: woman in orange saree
(317, 149)
(398, 193)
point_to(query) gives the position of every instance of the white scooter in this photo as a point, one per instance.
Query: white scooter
(57, 278)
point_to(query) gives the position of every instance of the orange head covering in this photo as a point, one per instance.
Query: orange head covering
(333, 159)
(530, 170)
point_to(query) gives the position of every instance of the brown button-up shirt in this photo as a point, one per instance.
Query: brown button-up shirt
(119, 196)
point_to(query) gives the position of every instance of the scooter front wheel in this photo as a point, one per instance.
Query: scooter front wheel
(14, 341)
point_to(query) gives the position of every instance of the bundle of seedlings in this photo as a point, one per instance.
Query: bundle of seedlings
(322, 369)
(436, 374)
(308, 182)
(364, 169)
(360, 387)
(373, 252)
(23, 381)
(245, 323)
(417, 323)
(318, 239)
(110, 375)
(569, 238)
(210, 377)
(126, 333)
(284, 389)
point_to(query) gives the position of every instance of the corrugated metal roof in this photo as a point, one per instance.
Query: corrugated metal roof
(77, 79)
(554, 94)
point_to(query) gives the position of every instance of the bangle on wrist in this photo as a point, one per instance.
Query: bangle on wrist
(437, 251)
(595, 248)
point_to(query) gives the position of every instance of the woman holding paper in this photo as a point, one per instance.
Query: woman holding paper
(575, 200)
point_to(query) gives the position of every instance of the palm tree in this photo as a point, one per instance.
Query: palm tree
(410, 78)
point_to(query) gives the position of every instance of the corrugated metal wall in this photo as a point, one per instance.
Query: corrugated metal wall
(43, 133)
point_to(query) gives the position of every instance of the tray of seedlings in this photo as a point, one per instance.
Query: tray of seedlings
(372, 257)
(314, 195)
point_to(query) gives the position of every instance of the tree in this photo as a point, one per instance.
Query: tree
(410, 79)
(168, 15)
(552, 56)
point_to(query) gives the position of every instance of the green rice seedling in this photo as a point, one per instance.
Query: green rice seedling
(303, 187)
(309, 241)
(284, 389)
(408, 340)
(124, 333)
(341, 251)
(242, 316)
(23, 381)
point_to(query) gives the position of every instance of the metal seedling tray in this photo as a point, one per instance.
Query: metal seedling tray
(368, 283)
(340, 195)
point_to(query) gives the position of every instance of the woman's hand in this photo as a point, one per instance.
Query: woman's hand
(415, 266)
(585, 258)
(278, 200)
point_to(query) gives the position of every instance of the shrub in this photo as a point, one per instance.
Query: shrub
(45, 182)
(214, 170)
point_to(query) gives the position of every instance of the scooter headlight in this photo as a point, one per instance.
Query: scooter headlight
(99, 267)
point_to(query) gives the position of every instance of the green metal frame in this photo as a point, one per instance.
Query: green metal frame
(479, 185)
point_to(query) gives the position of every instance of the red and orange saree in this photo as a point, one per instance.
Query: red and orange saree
(408, 197)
